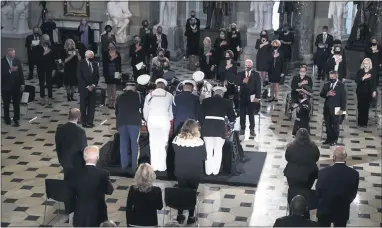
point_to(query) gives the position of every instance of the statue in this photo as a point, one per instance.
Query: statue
(168, 13)
(218, 8)
(268, 15)
(7, 16)
(337, 13)
(119, 14)
(258, 11)
(14, 17)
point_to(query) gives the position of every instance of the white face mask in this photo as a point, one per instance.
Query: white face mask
(324, 33)
(366, 66)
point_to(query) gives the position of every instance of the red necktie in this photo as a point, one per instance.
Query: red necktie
(247, 74)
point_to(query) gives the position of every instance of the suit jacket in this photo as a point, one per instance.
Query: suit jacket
(28, 43)
(253, 87)
(70, 155)
(155, 46)
(85, 76)
(297, 79)
(339, 100)
(227, 74)
(295, 221)
(336, 188)
(105, 40)
(185, 106)
(11, 81)
(146, 36)
(320, 40)
(342, 70)
(137, 57)
(90, 188)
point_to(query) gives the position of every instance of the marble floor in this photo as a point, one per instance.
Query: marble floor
(28, 158)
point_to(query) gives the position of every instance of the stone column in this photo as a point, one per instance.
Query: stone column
(303, 24)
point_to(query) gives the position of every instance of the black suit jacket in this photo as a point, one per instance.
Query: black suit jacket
(342, 70)
(336, 188)
(137, 57)
(295, 221)
(227, 74)
(320, 40)
(146, 36)
(28, 43)
(154, 45)
(85, 76)
(339, 100)
(253, 87)
(90, 188)
(70, 155)
(11, 81)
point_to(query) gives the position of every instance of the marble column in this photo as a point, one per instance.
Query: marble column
(303, 24)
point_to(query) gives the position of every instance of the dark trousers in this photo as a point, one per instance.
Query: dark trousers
(218, 16)
(232, 94)
(332, 124)
(363, 107)
(326, 220)
(128, 141)
(300, 184)
(320, 72)
(45, 81)
(69, 176)
(87, 106)
(31, 64)
(105, 61)
(15, 97)
(191, 184)
(247, 108)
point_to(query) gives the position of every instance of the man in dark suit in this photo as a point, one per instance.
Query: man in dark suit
(90, 188)
(334, 107)
(297, 218)
(12, 86)
(88, 77)
(137, 54)
(336, 188)
(70, 143)
(250, 92)
(324, 44)
(30, 43)
(159, 40)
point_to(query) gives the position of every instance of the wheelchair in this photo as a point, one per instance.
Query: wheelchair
(289, 106)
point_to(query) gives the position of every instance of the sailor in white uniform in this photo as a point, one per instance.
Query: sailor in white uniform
(157, 112)
(203, 88)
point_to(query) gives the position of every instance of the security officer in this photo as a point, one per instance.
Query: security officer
(303, 110)
(203, 88)
(214, 110)
(157, 111)
(185, 105)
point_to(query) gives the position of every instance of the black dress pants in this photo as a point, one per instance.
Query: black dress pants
(69, 177)
(232, 94)
(363, 107)
(191, 184)
(31, 64)
(326, 220)
(87, 106)
(332, 124)
(321, 73)
(15, 97)
(45, 81)
(247, 107)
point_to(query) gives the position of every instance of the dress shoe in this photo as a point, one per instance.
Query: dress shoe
(8, 122)
(191, 220)
(180, 219)
(83, 124)
(90, 125)
(30, 78)
(244, 159)
(327, 142)
(16, 123)
(242, 132)
(252, 133)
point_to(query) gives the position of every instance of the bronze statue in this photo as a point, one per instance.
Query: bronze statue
(218, 8)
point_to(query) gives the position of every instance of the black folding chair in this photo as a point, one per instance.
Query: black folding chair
(180, 199)
(58, 191)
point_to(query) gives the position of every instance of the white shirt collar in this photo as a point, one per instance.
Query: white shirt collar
(339, 162)
(72, 121)
(303, 100)
(90, 164)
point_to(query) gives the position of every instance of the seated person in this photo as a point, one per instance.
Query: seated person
(298, 82)
(303, 109)
(157, 65)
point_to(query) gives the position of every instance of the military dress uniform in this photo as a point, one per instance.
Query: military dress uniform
(203, 88)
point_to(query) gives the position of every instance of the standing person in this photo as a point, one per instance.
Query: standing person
(366, 90)
(250, 92)
(12, 85)
(106, 38)
(193, 16)
(159, 41)
(206, 59)
(47, 27)
(157, 111)
(336, 188)
(214, 110)
(300, 81)
(158, 64)
(304, 107)
(45, 66)
(146, 34)
(337, 63)
(263, 57)
(88, 77)
(323, 43)
(334, 107)
(190, 153)
(90, 188)
(31, 45)
(192, 33)
(129, 121)
(221, 46)
(276, 70)
(185, 105)
(374, 52)
(227, 73)
(138, 55)
(86, 34)
(234, 42)
(287, 39)
(112, 77)
(71, 58)
(71, 155)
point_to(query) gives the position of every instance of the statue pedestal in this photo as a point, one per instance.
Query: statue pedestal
(174, 38)
(16, 41)
(253, 34)
(124, 49)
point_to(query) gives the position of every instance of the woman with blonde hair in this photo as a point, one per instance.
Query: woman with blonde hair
(190, 154)
(276, 70)
(366, 90)
(71, 57)
(207, 61)
(143, 199)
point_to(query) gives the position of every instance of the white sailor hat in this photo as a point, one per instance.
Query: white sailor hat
(198, 76)
(222, 88)
(161, 80)
(189, 82)
(144, 79)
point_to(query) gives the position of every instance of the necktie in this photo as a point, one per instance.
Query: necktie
(332, 86)
(91, 68)
(324, 38)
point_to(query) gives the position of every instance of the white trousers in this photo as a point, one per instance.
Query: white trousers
(214, 148)
(159, 131)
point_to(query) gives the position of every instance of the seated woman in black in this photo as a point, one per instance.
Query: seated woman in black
(299, 81)
(303, 109)
(143, 199)
(190, 154)
(302, 154)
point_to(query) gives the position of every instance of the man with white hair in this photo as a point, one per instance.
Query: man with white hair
(90, 188)
(250, 92)
(88, 77)
(157, 111)
(214, 111)
(336, 188)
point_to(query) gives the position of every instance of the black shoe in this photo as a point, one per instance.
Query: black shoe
(271, 100)
(8, 122)
(252, 133)
(327, 142)
(16, 123)
(242, 132)
(30, 78)
(244, 159)
(180, 219)
(90, 125)
(72, 98)
(83, 124)
(69, 98)
(191, 220)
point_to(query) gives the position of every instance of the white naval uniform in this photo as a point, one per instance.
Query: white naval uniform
(157, 112)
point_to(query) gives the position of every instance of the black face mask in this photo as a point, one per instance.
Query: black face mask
(136, 41)
(166, 68)
(274, 47)
(192, 15)
(159, 32)
(248, 68)
(145, 25)
(161, 55)
(337, 52)
(227, 58)
(374, 44)
(90, 59)
(332, 80)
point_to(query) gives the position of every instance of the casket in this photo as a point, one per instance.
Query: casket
(145, 131)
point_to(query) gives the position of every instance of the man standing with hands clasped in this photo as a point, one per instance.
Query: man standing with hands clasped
(334, 107)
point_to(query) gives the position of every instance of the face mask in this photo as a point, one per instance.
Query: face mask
(227, 58)
(374, 44)
(366, 66)
(192, 15)
(161, 55)
(145, 25)
(11, 58)
(324, 33)
(136, 41)
(333, 80)
(90, 59)
(222, 36)
(275, 47)
(166, 67)
(159, 32)
(248, 68)
(302, 74)
(337, 52)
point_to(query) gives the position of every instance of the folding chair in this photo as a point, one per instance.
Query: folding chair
(181, 199)
(56, 190)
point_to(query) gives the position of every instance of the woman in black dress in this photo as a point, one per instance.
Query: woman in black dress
(113, 74)
(138, 55)
(286, 38)
(263, 56)
(143, 199)
(207, 64)
(276, 70)
(71, 57)
(221, 45)
(190, 154)
(366, 90)
(234, 41)
(374, 52)
(337, 63)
